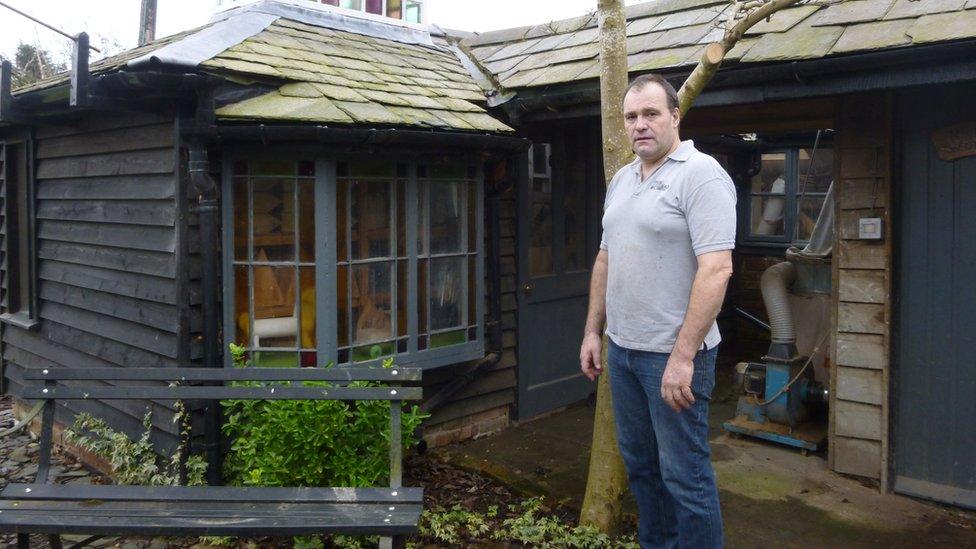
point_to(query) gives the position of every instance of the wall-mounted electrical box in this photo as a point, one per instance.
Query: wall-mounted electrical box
(870, 228)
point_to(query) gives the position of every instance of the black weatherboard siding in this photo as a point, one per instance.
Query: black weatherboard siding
(113, 287)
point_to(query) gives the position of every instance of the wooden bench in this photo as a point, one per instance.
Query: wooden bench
(110, 510)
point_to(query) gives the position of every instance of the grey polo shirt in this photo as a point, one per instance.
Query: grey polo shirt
(653, 231)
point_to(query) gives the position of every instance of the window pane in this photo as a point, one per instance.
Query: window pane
(242, 306)
(540, 247)
(445, 217)
(370, 213)
(422, 225)
(767, 215)
(574, 212)
(272, 168)
(352, 4)
(307, 278)
(771, 177)
(444, 339)
(371, 303)
(472, 289)
(422, 310)
(240, 219)
(413, 12)
(306, 220)
(374, 6)
(816, 170)
(446, 292)
(472, 217)
(275, 308)
(394, 9)
(342, 305)
(274, 359)
(401, 215)
(372, 351)
(403, 293)
(273, 205)
(809, 209)
(330, 2)
(342, 220)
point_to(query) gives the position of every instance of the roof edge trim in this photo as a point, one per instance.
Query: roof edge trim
(208, 42)
(339, 19)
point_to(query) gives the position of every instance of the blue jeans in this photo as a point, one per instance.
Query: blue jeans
(666, 452)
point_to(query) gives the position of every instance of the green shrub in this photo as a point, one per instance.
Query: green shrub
(311, 442)
(134, 461)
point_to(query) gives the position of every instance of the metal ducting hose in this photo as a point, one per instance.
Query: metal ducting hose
(775, 284)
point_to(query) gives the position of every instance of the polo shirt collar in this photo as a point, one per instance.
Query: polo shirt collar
(682, 154)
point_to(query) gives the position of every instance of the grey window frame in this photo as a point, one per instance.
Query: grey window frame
(20, 249)
(326, 269)
(792, 197)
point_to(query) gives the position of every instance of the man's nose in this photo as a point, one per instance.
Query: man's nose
(640, 123)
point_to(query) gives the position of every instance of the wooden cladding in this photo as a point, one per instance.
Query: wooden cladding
(862, 283)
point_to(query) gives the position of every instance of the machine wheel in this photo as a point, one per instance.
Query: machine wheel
(804, 452)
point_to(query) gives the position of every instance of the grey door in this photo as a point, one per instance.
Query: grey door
(934, 367)
(560, 200)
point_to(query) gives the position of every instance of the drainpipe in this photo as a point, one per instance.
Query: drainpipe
(206, 188)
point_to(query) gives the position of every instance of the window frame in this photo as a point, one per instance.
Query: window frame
(385, 9)
(791, 195)
(26, 315)
(326, 262)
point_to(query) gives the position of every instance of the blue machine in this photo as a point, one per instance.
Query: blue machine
(773, 409)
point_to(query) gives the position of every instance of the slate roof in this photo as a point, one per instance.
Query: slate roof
(347, 78)
(671, 34)
(327, 67)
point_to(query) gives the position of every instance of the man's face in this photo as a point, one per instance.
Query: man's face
(651, 126)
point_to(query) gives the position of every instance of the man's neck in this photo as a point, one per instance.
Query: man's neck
(649, 166)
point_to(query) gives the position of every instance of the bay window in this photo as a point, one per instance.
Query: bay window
(354, 260)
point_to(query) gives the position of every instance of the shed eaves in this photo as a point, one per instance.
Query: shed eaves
(670, 35)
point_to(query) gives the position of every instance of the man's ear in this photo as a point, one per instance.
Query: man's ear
(676, 115)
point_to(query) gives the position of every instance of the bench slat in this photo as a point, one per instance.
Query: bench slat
(245, 494)
(176, 519)
(161, 392)
(225, 374)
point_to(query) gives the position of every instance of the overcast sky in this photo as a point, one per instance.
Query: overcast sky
(115, 22)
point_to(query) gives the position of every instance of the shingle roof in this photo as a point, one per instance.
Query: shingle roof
(343, 77)
(375, 72)
(668, 34)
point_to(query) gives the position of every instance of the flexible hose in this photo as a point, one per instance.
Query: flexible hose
(774, 284)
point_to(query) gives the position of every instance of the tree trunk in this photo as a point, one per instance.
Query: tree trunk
(607, 480)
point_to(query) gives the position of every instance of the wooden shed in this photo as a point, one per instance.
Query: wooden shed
(868, 94)
(314, 186)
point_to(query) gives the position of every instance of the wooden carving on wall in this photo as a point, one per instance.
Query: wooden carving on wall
(954, 142)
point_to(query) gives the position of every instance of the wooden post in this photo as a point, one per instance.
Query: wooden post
(147, 22)
(79, 72)
(6, 99)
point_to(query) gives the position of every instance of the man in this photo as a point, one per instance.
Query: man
(659, 281)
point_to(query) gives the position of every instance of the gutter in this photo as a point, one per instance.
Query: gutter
(361, 136)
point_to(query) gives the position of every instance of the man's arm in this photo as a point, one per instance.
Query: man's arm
(596, 316)
(707, 294)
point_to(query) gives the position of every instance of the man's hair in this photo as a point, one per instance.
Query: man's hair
(638, 84)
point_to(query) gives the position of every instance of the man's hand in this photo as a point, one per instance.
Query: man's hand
(676, 383)
(590, 356)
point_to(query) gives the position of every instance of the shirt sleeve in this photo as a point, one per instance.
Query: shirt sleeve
(709, 208)
(606, 202)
